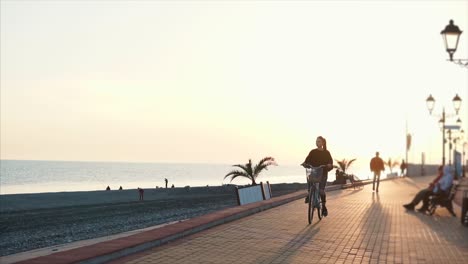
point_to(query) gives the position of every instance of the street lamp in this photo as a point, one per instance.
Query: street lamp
(454, 138)
(460, 136)
(430, 103)
(451, 35)
(465, 145)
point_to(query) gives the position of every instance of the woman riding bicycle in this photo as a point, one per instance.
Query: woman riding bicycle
(317, 157)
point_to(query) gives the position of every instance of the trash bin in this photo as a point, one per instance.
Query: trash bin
(464, 215)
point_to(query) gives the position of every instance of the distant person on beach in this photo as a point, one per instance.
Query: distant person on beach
(376, 166)
(108, 188)
(403, 167)
(441, 184)
(141, 192)
(120, 188)
(165, 179)
(317, 157)
(172, 186)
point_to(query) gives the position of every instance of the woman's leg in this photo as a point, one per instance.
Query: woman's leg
(323, 195)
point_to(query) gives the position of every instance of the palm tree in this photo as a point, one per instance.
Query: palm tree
(345, 164)
(250, 172)
(391, 164)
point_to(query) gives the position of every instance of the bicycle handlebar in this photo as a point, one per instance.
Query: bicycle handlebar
(308, 166)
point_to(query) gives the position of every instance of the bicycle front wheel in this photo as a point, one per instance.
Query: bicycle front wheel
(310, 211)
(317, 205)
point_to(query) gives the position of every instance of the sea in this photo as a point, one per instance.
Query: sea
(28, 176)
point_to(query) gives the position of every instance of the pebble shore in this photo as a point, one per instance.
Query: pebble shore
(31, 221)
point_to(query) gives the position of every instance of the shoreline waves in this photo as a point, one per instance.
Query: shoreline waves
(22, 176)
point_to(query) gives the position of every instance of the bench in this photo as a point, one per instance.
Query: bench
(443, 199)
(342, 178)
(355, 181)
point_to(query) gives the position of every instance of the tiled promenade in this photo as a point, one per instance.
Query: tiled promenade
(362, 227)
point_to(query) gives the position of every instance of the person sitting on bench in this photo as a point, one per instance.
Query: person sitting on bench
(443, 199)
(441, 184)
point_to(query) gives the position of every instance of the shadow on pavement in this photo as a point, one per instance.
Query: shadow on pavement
(444, 228)
(300, 242)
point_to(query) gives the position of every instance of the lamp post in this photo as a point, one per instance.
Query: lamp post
(454, 139)
(430, 103)
(459, 137)
(465, 144)
(451, 35)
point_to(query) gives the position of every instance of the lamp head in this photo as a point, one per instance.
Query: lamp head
(451, 35)
(441, 123)
(430, 103)
(457, 103)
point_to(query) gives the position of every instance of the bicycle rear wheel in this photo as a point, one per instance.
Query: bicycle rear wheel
(310, 211)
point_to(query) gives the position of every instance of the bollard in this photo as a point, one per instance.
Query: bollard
(464, 215)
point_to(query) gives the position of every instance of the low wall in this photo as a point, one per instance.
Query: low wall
(421, 170)
(424, 170)
(253, 193)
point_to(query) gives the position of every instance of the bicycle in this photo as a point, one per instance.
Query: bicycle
(314, 175)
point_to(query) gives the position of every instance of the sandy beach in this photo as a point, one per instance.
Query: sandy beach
(31, 221)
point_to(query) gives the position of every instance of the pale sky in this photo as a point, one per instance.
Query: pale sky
(225, 81)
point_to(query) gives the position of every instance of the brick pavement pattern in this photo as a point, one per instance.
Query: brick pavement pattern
(362, 227)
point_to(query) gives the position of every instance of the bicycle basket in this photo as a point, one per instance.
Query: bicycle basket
(314, 174)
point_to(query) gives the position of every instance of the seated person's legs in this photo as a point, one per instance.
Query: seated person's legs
(425, 205)
(417, 198)
(443, 199)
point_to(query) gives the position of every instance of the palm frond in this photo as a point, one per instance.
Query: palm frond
(344, 164)
(391, 164)
(250, 172)
(237, 173)
(249, 167)
(349, 163)
(244, 167)
(263, 165)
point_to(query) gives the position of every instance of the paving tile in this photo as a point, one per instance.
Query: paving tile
(362, 227)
